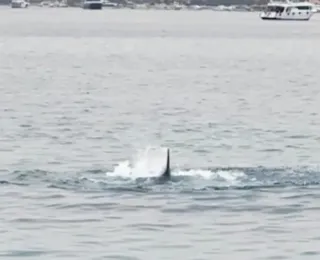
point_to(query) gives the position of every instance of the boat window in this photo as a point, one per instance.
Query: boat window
(303, 7)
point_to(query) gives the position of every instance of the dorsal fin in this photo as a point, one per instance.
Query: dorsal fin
(167, 171)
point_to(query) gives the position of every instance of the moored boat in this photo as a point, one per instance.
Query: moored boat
(288, 10)
(19, 4)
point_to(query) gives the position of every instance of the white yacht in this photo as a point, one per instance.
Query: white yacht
(19, 4)
(288, 10)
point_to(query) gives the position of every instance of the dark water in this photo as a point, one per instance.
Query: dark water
(235, 98)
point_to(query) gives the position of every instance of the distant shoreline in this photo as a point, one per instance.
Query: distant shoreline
(218, 8)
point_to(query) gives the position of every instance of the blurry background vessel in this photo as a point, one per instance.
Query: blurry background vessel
(19, 4)
(288, 10)
(92, 4)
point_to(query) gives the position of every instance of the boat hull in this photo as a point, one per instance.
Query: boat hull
(285, 17)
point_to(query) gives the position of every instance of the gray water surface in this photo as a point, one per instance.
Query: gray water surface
(234, 97)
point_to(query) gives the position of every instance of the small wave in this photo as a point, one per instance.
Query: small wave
(183, 180)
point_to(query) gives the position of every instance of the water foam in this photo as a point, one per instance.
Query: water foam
(149, 162)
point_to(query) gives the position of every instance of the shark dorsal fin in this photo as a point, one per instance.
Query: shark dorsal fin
(167, 170)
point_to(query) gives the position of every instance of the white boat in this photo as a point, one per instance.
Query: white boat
(19, 4)
(63, 4)
(288, 10)
(52, 4)
(106, 3)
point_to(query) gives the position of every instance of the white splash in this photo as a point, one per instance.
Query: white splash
(151, 161)
(147, 163)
